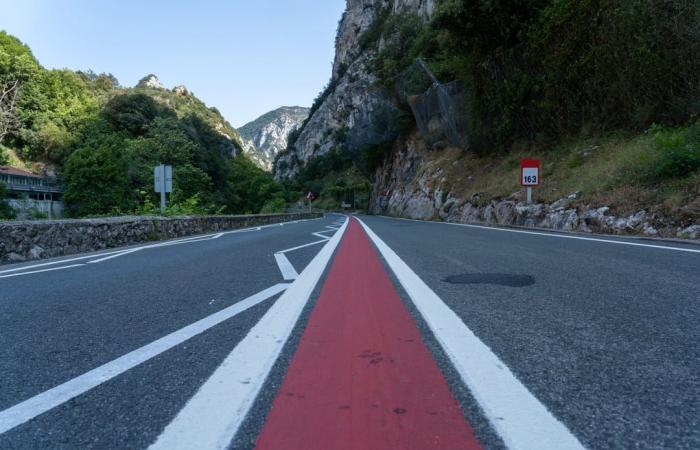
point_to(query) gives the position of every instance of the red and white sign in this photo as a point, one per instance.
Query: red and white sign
(310, 196)
(530, 172)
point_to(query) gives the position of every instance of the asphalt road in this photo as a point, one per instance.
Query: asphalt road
(57, 325)
(604, 335)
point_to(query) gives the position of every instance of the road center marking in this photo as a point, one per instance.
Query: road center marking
(521, 420)
(212, 417)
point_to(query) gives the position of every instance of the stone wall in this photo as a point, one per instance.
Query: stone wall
(24, 240)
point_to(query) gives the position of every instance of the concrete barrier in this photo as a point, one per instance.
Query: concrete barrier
(30, 240)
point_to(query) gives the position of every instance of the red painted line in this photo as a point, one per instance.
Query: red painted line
(361, 377)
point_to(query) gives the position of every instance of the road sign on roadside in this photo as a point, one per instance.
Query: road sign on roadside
(163, 178)
(530, 175)
(530, 172)
(163, 182)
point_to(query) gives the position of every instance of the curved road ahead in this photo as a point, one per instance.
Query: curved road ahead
(355, 333)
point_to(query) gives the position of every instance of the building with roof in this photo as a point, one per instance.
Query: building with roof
(29, 192)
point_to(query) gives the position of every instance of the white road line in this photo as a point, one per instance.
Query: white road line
(553, 234)
(113, 256)
(212, 417)
(286, 267)
(53, 269)
(521, 420)
(47, 400)
(318, 234)
(53, 263)
(303, 246)
(158, 245)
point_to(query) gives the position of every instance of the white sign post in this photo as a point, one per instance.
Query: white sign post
(530, 175)
(163, 183)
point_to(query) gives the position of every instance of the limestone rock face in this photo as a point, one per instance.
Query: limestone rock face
(409, 186)
(181, 90)
(348, 115)
(150, 81)
(267, 135)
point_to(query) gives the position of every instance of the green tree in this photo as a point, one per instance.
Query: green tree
(251, 188)
(96, 178)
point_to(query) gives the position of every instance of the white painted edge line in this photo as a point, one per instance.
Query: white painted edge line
(53, 263)
(521, 420)
(212, 417)
(148, 246)
(286, 267)
(53, 269)
(303, 246)
(552, 234)
(107, 258)
(39, 404)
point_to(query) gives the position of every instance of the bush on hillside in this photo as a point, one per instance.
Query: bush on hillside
(548, 68)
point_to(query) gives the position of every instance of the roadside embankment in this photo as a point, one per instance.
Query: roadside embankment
(29, 240)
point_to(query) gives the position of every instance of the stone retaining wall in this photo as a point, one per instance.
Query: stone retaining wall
(28, 240)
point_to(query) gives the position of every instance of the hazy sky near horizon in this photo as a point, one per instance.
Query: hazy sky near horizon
(246, 57)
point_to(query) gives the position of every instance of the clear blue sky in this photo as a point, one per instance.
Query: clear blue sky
(245, 57)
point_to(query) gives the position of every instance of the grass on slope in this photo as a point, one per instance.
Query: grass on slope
(658, 170)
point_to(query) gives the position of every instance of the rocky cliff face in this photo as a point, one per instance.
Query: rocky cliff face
(414, 184)
(267, 135)
(352, 104)
(150, 82)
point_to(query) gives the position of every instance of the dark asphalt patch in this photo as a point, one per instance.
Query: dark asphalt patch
(500, 279)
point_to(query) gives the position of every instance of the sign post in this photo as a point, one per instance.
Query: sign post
(163, 183)
(530, 170)
(310, 197)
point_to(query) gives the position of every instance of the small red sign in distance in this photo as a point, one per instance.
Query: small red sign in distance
(530, 172)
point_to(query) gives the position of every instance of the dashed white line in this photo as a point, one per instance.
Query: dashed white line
(212, 417)
(41, 403)
(286, 267)
(521, 420)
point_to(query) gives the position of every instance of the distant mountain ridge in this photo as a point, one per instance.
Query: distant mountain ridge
(267, 135)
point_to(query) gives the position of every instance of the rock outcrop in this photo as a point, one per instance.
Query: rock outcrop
(353, 104)
(408, 186)
(267, 135)
(150, 82)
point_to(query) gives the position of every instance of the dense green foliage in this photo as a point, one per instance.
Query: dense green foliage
(252, 190)
(547, 68)
(105, 140)
(674, 154)
(333, 178)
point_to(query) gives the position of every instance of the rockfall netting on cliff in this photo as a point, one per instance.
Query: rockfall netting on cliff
(440, 109)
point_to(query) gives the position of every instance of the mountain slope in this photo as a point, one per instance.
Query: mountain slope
(513, 82)
(267, 135)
